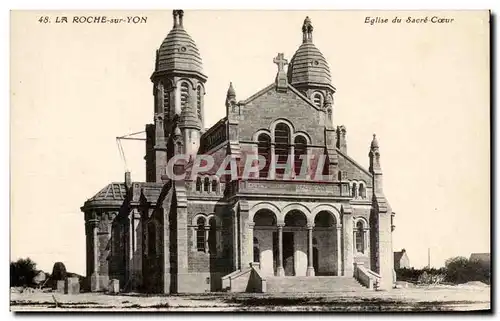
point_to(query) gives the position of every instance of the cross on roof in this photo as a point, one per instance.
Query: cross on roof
(280, 61)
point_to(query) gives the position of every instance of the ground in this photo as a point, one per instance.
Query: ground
(428, 298)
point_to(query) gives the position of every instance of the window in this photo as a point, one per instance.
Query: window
(300, 153)
(354, 192)
(198, 101)
(282, 146)
(362, 190)
(339, 176)
(200, 235)
(184, 95)
(360, 238)
(214, 185)
(198, 184)
(206, 185)
(264, 150)
(212, 236)
(317, 99)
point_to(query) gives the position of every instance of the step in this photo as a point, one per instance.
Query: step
(314, 284)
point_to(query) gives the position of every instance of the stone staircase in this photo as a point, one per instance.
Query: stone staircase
(306, 284)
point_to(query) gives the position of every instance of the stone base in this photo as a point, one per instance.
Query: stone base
(60, 286)
(310, 271)
(114, 286)
(99, 282)
(72, 286)
(280, 271)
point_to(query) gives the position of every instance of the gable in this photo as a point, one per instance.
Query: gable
(267, 106)
(351, 170)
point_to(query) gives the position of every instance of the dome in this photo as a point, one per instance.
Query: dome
(308, 65)
(178, 52)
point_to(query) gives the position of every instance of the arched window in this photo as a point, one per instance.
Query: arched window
(214, 185)
(152, 250)
(200, 234)
(212, 236)
(282, 146)
(317, 99)
(198, 101)
(362, 190)
(339, 176)
(354, 192)
(264, 150)
(360, 238)
(184, 94)
(198, 184)
(206, 184)
(256, 250)
(300, 153)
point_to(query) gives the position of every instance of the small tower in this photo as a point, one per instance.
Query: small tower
(308, 70)
(375, 168)
(178, 82)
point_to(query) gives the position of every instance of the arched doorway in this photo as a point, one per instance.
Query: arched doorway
(263, 249)
(295, 243)
(325, 232)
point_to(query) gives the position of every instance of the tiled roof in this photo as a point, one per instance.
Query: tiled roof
(113, 191)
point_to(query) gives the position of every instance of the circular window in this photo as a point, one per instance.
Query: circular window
(183, 49)
(316, 62)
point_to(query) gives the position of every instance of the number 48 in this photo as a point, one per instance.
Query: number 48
(43, 19)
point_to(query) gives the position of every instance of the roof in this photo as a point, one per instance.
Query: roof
(483, 257)
(111, 192)
(398, 255)
(308, 65)
(179, 52)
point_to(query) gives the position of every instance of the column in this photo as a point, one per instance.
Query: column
(310, 267)
(280, 270)
(339, 250)
(367, 241)
(348, 244)
(246, 238)
(93, 274)
(272, 167)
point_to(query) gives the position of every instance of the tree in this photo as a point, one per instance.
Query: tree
(458, 269)
(22, 272)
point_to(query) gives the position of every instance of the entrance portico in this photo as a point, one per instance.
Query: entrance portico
(296, 242)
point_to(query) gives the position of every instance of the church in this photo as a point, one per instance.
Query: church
(275, 231)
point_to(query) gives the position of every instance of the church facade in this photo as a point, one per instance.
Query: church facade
(202, 232)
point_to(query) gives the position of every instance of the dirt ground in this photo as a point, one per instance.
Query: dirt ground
(429, 298)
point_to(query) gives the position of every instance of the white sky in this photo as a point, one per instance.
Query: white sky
(424, 89)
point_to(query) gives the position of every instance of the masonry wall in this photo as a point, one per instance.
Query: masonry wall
(264, 110)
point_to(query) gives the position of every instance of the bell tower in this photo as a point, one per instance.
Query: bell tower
(179, 90)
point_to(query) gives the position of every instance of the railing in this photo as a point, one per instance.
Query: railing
(365, 276)
(293, 187)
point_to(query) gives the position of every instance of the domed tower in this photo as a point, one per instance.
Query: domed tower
(178, 82)
(309, 72)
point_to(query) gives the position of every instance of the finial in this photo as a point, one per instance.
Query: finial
(307, 30)
(175, 13)
(374, 143)
(230, 91)
(181, 16)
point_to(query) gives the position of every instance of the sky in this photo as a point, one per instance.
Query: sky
(422, 88)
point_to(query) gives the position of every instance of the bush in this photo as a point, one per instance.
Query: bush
(58, 273)
(424, 276)
(460, 270)
(22, 272)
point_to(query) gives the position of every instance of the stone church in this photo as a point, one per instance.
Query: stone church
(261, 233)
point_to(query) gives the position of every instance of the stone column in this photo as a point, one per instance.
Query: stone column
(246, 236)
(310, 267)
(367, 241)
(272, 167)
(280, 270)
(348, 243)
(339, 250)
(93, 274)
